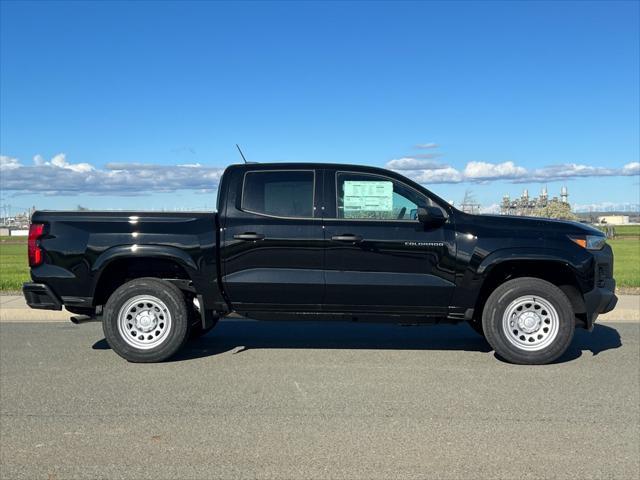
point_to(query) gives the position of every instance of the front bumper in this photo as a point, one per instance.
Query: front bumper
(39, 295)
(600, 300)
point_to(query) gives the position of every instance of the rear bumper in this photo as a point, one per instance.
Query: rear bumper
(600, 300)
(39, 295)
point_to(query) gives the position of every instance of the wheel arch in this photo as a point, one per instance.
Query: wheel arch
(123, 263)
(556, 271)
(141, 251)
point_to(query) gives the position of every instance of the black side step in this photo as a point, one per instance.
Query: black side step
(78, 319)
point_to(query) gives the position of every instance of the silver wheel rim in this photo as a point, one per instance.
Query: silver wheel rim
(144, 322)
(530, 323)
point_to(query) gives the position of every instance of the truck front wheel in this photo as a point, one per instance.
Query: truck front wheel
(146, 320)
(528, 321)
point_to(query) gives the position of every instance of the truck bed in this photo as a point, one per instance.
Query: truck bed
(85, 250)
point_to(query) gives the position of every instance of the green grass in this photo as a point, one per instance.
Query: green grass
(625, 230)
(626, 263)
(628, 230)
(14, 269)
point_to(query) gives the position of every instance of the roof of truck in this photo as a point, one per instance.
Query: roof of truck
(307, 165)
(336, 166)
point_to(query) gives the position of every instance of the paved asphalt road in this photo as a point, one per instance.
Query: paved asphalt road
(317, 401)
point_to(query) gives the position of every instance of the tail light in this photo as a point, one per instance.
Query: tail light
(36, 256)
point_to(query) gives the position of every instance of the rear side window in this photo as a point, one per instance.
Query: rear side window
(285, 193)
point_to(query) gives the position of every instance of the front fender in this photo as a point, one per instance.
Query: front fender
(502, 255)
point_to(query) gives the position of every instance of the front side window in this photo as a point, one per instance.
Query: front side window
(371, 197)
(279, 193)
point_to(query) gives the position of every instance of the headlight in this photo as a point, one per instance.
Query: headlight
(590, 242)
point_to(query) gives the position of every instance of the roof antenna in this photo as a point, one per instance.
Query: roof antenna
(241, 154)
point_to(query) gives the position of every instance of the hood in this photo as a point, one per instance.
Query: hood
(537, 224)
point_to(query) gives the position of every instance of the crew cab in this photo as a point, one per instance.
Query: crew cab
(300, 241)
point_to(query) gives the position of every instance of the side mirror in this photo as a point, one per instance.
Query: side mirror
(431, 216)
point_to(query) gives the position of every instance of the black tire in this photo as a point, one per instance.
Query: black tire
(177, 329)
(559, 321)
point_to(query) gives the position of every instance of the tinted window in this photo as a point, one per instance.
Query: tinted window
(376, 198)
(279, 193)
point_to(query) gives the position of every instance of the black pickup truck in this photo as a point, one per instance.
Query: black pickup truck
(304, 241)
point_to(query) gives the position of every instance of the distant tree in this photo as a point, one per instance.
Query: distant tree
(558, 210)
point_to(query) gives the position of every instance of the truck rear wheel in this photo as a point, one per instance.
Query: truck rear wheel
(146, 320)
(528, 321)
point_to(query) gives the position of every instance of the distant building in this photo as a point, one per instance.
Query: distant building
(614, 219)
(18, 221)
(13, 232)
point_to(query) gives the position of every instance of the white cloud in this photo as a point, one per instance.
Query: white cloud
(426, 146)
(607, 207)
(427, 172)
(494, 208)
(482, 171)
(58, 176)
(60, 161)
(442, 174)
(568, 171)
(411, 163)
(632, 168)
(9, 163)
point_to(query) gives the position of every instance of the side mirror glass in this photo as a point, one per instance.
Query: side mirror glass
(431, 216)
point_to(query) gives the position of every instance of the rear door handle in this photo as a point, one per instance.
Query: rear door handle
(249, 236)
(347, 238)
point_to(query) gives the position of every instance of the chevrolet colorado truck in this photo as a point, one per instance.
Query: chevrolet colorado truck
(302, 241)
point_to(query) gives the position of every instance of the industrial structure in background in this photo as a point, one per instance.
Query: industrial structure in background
(469, 203)
(14, 224)
(540, 206)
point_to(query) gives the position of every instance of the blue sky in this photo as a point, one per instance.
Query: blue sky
(500, 96)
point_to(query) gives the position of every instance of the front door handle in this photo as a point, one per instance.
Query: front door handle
(347, 237)
(249, 236)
